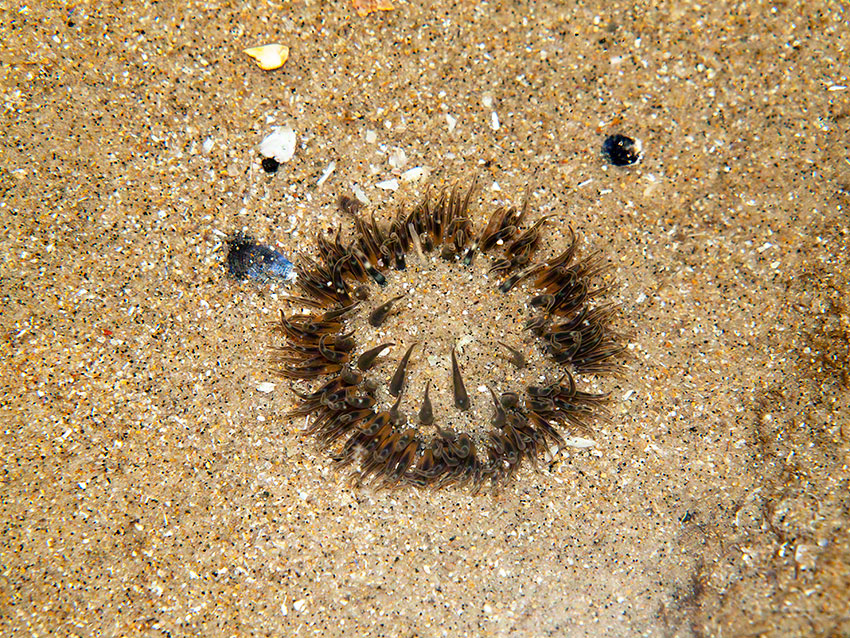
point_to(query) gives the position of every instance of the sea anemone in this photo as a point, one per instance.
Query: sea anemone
(430, 285)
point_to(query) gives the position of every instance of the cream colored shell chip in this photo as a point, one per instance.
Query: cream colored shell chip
(270, 56)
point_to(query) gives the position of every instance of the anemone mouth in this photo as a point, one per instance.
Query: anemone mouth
(335, 341)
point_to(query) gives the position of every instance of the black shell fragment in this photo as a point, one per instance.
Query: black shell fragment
(621, 150)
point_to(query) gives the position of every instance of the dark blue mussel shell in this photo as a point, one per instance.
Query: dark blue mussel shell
(249, 259)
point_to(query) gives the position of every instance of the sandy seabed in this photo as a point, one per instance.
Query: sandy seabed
(150, 487)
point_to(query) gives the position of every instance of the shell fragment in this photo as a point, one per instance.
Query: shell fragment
(269, 56)
(388, 185)
(415, 174)
(279, 144)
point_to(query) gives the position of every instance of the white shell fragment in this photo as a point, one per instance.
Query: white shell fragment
(326, 173)
(270, 56)
(415, 174)
(806, 556)
(388, 185)
(463, 341)
(451, 121)
(265, 387)
(577, 441)
(398, 158)
(279, 144)
(360, 194)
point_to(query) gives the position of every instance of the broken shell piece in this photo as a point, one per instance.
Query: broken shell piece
(398, 158)
(360, 194)
(415, 174)
(621, 150)
(365, 7)
(388, 185)
(326, 173)
(248, 259)
(577, 441)
(279, 144)
(270, 56)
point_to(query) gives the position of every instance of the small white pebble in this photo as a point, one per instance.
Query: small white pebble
(299, 605)
(494, 121)
(208, 144)
(451, 121)
(483, 389)
(371, 136)
(266, 387)
(488, 609)
(487, 100)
